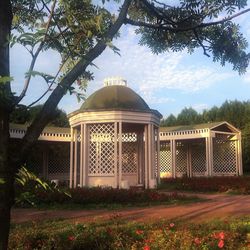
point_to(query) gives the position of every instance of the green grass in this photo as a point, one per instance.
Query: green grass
(120, 234)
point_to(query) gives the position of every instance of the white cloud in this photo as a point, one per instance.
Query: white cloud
(147, 73)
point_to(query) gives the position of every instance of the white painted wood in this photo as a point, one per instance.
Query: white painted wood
(75, 159)
(158, 158)
(240, 155)
(71, 158)
(120, 155)
(114, 116)
(150, 149)
(81, 156)
(207, 156)
(85, 155)
(116, 154)
(173, 153)
(146, 156)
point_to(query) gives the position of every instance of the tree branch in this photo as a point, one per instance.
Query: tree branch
(34, 57)
(50, 85)
(50, 105)
(179, 29)
(201, 44)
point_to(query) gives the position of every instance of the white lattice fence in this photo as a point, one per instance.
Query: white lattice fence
(224, 156)
(58, 159)
(198, 158)
(35, 159)
(165, 158)
(129, 153)
(181, 159)
(101, 149)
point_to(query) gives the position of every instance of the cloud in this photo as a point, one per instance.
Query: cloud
(148, 73)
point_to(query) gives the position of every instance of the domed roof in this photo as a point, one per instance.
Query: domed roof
(116, 97)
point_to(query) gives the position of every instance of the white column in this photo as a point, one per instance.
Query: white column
(120, 155)
(85, 154)
(75, 161)
(207, 156)
(140, 157)
(158, 157)
(81, 156)
(210, 155)
(189, 162)
(146, 156)
(150, 150)
(71, 158)
(115, 155)
(239, 155)
(173, 158)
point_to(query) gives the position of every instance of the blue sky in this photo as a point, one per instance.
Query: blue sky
(168, 82)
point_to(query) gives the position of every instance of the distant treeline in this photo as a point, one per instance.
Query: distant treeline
(235, 112)
(23, 115)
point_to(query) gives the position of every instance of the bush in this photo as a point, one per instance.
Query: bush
(108, 196)
(209, 184)
(29, 188)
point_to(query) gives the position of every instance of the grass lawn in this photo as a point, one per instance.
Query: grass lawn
(119, 234)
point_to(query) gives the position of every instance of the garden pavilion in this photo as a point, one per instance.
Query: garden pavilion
(210, 149)
(115, 139)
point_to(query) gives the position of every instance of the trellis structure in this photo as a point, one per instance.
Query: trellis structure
(115, 140)
(211, 149)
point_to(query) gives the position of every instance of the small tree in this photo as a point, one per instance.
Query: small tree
(79, 31)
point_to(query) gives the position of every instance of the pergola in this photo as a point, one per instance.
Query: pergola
(114, 140)
(211, 149)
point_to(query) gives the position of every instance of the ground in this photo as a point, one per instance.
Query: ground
(217, 206)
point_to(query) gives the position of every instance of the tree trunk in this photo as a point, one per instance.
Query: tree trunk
(6, 171)
(9, 165)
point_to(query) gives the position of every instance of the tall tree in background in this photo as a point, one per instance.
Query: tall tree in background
(80, 30)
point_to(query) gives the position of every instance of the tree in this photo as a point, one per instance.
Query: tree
(169, 121)
(25, 115)
(80, 30)
(188, 116)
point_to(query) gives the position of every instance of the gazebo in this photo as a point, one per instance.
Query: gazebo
(114, 139)
(210, 149)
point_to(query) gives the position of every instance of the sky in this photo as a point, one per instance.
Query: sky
(167, 82)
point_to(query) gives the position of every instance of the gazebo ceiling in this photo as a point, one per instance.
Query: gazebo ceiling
(115, 97)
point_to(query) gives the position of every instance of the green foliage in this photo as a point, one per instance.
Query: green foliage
(119, 234)
(22, 115)
(187, 25)
(98, 197)
(5, 79)
(235, 184)
(28, 184)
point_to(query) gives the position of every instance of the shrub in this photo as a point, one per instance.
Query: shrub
(209, 184)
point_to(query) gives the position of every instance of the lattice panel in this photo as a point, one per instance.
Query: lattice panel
(35, 160)
(129, 137)
(165, 157)
(58, 159)
(101, 149)
(198, 158)
(224, 156)
(129, 158)
(181, 158)
(156, 153)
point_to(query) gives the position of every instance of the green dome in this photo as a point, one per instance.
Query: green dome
(115, 97)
